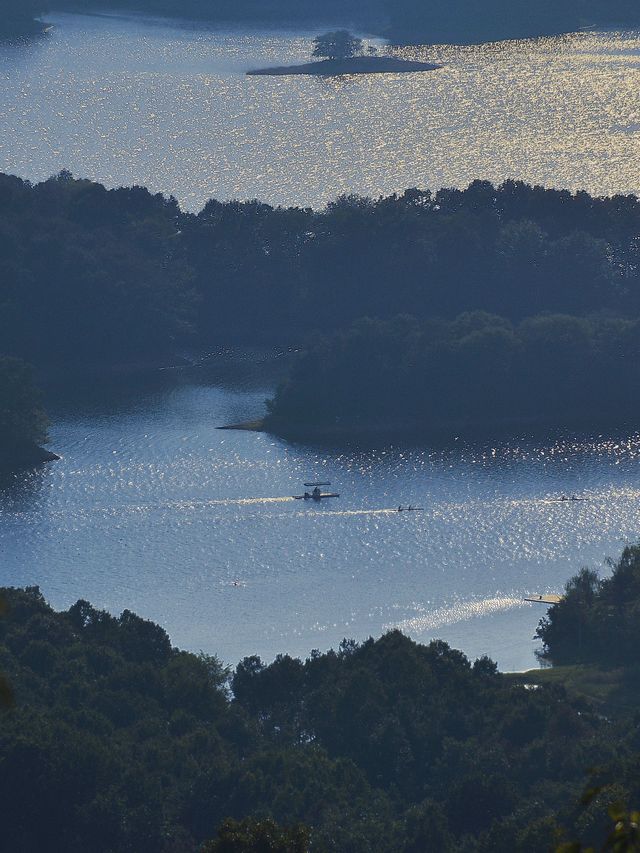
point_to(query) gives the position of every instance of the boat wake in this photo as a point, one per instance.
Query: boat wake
(460, 612)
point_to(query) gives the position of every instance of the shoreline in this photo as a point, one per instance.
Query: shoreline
(407, 429)
(398, 35)
(354, 65)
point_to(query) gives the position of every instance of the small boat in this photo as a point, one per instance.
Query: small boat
(410, 508)
(326, 483)
(308, 496)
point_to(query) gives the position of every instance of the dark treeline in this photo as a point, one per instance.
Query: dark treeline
(409, 21)
(514, 250)
(117, 275)
(273, 11)
(468, 21)
(478, 371)
(85, 274)
(89, 275)
(412, 21)
(116, 742)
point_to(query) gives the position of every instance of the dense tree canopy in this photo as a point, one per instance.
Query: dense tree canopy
(478, 371)
(119, 275)
(89, 275)
(514, 250)
(337, 44)
(116, 742)
(598, 620)
(253, 836)
(84, 273)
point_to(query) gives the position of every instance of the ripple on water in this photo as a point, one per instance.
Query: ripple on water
(156, 511)
(177, 113)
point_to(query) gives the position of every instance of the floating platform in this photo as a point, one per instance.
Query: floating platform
(545, 598)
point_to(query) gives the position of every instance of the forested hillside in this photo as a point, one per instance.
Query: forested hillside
(86, 275)
(478, 372)
(550, 279)
(119, 275)
(116, 742)
(513, 250)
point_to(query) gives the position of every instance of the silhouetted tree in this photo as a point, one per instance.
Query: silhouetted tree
(597, 620)
(339, 44)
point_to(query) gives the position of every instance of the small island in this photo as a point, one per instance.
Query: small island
(355, 65)
(340, 53)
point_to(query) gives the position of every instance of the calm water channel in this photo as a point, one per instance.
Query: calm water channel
(153, 509)
(168, 106)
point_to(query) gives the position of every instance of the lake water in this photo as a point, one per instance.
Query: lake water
(153, 509)
(168, 105)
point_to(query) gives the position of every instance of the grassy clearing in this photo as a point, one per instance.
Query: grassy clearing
(613, 690)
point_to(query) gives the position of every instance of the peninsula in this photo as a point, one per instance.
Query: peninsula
(478, 374)
(350, 65)
(23, 423)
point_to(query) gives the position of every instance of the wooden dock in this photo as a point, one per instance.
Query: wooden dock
(545, 598)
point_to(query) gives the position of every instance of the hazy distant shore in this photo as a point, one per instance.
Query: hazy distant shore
(354, 65)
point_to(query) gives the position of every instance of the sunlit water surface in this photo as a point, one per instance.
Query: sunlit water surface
(168, 105)
(150, 507)
(153, 509)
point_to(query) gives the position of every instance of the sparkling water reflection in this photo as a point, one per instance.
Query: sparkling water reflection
(154, 509)
(168, 106)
